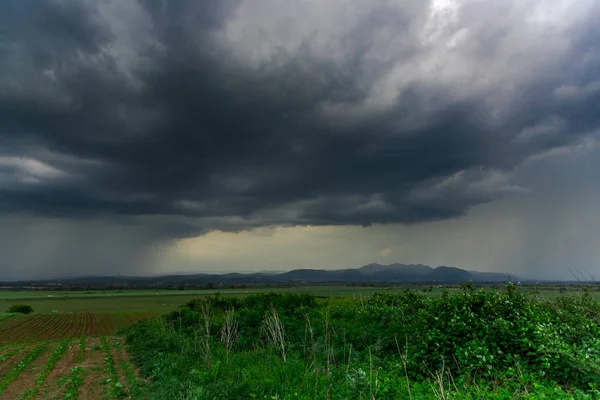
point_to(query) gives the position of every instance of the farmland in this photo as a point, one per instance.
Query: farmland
(46, 301)
(6, 316)
(158, 300)
(67, 355)
(332, 290)
(40, 327)
(332, 343)
(141, 300)
(85, 367)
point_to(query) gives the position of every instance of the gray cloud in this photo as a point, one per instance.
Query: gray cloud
(184, 117)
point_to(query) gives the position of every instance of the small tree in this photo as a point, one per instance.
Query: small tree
(20, 308)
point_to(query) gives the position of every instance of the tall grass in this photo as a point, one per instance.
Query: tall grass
(274, 331)
(229, 331)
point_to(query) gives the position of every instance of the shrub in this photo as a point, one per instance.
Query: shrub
(474, 343)
(21, 308)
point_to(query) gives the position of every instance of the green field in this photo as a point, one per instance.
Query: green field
(133, 303)
(316, 290)
(4, 316)
(167, 300)
(158, 300)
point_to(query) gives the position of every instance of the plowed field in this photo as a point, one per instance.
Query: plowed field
(42, 327)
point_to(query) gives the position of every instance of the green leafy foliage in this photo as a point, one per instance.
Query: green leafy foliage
(475, 344)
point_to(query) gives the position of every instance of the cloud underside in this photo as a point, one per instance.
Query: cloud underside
(195, 116)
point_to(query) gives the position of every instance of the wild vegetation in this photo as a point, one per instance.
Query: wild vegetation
(474, 344)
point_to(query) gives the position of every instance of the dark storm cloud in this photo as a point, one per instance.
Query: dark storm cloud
(151, 109)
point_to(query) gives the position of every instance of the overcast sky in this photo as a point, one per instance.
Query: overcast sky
(157, 136)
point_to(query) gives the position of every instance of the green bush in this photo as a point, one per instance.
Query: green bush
(475, 344)
(20, 308)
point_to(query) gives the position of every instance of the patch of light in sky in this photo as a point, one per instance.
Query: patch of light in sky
(441, 15)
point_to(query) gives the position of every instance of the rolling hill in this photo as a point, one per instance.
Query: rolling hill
(371, 273)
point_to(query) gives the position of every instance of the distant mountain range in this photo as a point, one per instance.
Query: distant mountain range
(393, 273)
(372, 273)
